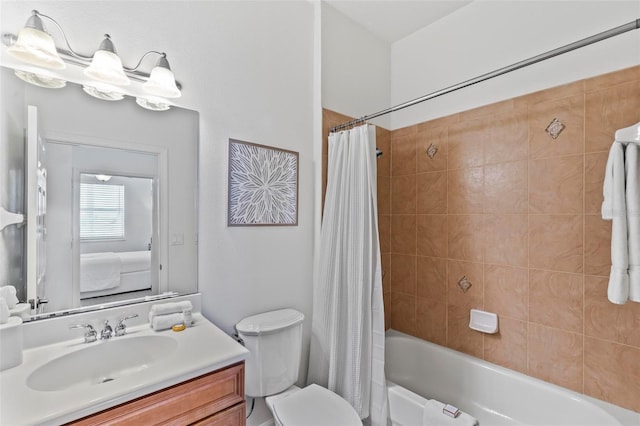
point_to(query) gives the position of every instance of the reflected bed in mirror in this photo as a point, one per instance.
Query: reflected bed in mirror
(110, 191)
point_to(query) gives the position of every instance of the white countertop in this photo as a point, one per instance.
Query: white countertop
(202, 348)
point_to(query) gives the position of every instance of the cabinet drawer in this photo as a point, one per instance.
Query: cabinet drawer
(185, 403)
(234, 416)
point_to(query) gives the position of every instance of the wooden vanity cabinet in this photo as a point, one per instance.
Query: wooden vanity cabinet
(215, 398)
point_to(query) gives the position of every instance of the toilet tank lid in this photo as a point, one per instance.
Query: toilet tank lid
(269, 322)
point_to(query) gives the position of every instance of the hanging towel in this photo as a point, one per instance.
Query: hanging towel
(633, 219)
(614, 209)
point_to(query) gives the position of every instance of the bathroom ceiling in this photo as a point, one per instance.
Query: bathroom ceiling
(392, 20)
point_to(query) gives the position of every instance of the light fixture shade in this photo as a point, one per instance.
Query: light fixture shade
(40, 80)
(34, 46)
(153, 104)
(102, 91)
(161, 81)
(106, 65)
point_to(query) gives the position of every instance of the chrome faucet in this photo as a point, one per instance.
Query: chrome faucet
(121, 328)
(90, 335)
(106, 332)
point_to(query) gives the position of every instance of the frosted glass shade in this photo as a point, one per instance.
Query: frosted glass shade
(153, 104)
(103, 91)
(162, 83)
(41, 80)
(107, 67)
(36, 47)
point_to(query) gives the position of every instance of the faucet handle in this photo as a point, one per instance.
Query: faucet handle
(90, 335)
(121, 328)
(106, 332)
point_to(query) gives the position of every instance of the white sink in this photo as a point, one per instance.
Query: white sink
(101, 362)
(63, 379)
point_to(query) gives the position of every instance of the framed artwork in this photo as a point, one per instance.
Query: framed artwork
(263, 185)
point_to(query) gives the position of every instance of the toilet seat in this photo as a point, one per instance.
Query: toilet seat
(314, 406)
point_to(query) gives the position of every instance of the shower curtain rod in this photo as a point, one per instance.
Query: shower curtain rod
(633, 25)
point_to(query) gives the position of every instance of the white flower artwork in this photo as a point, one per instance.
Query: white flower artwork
(263, 185)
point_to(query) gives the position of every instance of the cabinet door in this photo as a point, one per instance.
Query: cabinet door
(179, 405)
(234, 416)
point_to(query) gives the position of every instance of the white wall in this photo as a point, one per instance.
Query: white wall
(248, 68)
(257, 85)
(355, 68)
(488, 34)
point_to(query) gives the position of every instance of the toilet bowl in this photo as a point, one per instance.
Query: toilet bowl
(311, 406)
(274, 340)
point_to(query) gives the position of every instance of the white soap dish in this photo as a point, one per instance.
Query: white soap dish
(484, 322)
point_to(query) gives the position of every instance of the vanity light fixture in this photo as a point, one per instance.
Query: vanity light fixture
(104, 68)
(40, 79)
(35, 46)
(161, 81)
(153, 104)
(103, 91)
(106, 65)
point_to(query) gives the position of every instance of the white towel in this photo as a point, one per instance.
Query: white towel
(633, 219)
(22, 310)
(170, 308)
(614, 209)
(8, 292)
(163, 322)
(433, 416)
(4, 311)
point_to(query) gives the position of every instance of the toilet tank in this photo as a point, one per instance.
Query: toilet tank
(274, 340)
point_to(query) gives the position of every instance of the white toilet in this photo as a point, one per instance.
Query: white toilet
(275, 342)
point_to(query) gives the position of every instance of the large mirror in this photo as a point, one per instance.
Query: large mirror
(111, 195)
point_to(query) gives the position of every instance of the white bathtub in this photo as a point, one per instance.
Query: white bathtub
(494, 395)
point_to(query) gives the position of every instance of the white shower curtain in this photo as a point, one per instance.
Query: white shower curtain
(347, 345)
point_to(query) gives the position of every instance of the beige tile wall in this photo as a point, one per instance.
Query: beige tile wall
(517, 213)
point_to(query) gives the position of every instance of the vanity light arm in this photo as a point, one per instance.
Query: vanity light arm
(70, 50)
(164, 55)
(135, 71)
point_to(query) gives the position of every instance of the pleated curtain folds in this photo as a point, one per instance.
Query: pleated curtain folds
(347, 343)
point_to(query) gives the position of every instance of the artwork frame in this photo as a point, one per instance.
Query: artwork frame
(262, 185)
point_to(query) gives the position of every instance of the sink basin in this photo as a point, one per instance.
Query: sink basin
(101, 362)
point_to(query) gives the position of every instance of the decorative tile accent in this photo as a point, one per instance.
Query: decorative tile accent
(432, 151)
(464, 284)
(555, 128)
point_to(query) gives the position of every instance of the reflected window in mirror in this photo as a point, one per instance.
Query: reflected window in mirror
(102, 211)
